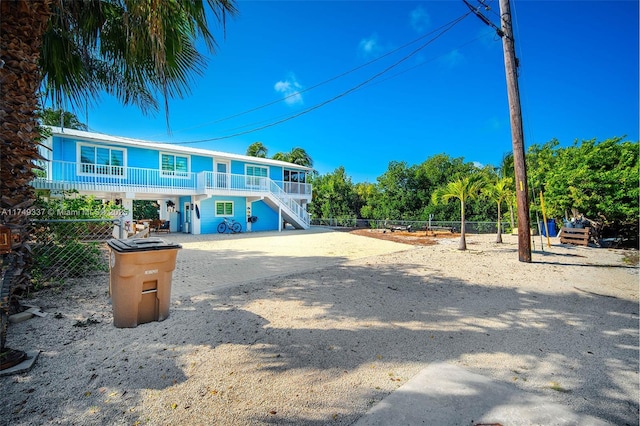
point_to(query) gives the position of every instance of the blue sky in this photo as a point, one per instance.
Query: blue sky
(578, 80)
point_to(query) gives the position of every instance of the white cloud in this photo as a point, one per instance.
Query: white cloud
(420, 19)
(453, 58)
(370, 46)
(290, 88)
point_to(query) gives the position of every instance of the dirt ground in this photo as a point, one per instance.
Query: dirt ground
(317, 327)
(417, 238)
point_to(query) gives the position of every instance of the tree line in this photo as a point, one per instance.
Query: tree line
(596, 179)
(599, 180)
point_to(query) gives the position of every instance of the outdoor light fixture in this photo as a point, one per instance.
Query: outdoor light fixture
(5, 239)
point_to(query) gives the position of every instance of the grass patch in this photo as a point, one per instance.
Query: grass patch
(556, 387)
(631, 258)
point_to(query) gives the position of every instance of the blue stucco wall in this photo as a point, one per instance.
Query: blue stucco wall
(238, 168)
(208, 213)
(275, 173)
(267, 218)
(201, 164)
(142, 158)
(65, 149)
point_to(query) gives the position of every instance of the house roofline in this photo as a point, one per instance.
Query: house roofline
(168, 147)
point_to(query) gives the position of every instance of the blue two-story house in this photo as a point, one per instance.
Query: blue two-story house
(195, 189)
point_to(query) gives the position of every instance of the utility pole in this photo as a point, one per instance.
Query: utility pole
(517, 135)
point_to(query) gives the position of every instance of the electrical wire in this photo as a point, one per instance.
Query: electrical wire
(446, 29)
(374, 83)
(430, 60)
(322, 83)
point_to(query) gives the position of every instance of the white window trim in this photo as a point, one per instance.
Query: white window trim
(46, 151)
(299, 172)
(256, 165)
(215, 208)
(225, 162)
(79, 162)
(173, 174)
(248, 178)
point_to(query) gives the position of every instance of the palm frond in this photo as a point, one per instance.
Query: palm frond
(135, 50)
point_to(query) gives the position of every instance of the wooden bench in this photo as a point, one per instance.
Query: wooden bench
(576, 236)
(154, 225)
(393, 228)
(441, 228)
(165, 226)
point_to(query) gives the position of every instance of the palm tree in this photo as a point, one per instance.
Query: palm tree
(499, 191)
(463, 189)
(296, 156)
(22, 26)
(506, 166)
(75, 50)
(300, 157)
(281, 156)
(257, 149)
(506, 169)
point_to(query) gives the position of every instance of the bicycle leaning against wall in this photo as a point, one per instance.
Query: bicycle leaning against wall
(229, 225)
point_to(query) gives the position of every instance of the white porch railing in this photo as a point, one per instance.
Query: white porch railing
(231, 182)
(222, 182)
(286, 200)
(67, 175)
(62, 175)
(127, 178)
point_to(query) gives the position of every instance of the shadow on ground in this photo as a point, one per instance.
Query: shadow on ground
(576, 348)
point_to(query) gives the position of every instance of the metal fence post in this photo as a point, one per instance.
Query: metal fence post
(121, 230)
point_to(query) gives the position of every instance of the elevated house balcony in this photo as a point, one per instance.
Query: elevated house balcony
(154, 183)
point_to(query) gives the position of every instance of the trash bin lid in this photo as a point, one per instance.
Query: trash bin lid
(129, 245)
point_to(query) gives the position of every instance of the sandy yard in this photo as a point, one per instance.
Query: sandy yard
(315, 327)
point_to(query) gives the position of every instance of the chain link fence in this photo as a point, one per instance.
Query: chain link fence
(77, 248)
(416, 225)
(70, 248)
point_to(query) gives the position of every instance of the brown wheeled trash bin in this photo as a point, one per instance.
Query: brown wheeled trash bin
(140, 279)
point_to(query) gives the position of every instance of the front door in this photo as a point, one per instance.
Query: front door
(222, 175)
(186, 226)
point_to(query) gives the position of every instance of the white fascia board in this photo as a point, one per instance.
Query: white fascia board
(118, 140)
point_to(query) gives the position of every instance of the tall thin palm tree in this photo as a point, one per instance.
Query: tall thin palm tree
(506, 166)
(506, 169)
(463, 189)
(75, 50)
(499, 191)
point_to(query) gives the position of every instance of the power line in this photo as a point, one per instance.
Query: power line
(428, 61)
(448, 26)
(322, 83)
(476, 11)
(370, 84)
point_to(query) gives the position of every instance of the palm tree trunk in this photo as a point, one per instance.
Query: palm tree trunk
(463, 240)
(23, 23)
(499, 234)
(513, 222)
